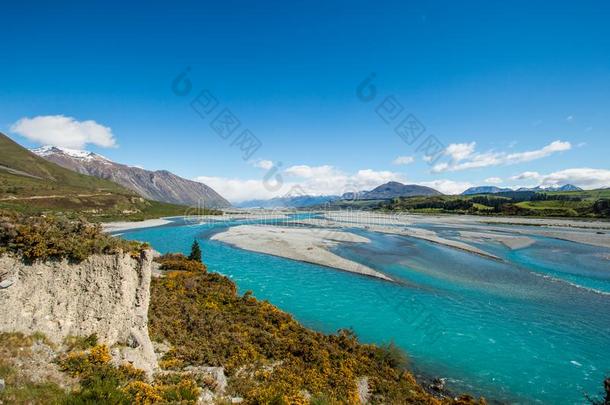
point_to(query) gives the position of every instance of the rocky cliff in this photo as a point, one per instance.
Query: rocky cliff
(106, 295)
(159, 185)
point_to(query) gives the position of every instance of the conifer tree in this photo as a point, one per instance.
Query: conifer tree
(195, 252)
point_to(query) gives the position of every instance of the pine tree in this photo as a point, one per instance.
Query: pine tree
(195, 252)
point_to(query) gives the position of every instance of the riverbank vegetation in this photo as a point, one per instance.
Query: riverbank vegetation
(579, 204)
(80, 375)
(268, 356)
(57, 237)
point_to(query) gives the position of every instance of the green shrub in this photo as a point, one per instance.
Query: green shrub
(102, 382)
(179, 262)
(100, 387)
(80, 342)
(392, 355)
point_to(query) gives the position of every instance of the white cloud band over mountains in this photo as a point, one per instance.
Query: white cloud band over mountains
(316, 180)
(62, 131)
(583, 177)
(312, 180)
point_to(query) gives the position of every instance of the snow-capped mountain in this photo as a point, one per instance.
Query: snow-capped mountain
(485, 190)
(45, 151)
(159, 185)
(565, 187)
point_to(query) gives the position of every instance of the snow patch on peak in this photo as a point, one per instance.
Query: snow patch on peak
(74, 153)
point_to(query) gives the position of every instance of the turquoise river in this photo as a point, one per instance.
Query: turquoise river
(533, 328)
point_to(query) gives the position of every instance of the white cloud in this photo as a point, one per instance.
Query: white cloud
(584, 177)
(447, 186)
(263, 164)
(237, 190)
(59, 130)
(326, 179)
(403, 160)
(460, 151)
(493, 180)
(368, 178)
(312, 180)
(570, 118)
(308, 172)
(527, 176)
(464, 157)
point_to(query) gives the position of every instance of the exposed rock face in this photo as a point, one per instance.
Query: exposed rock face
(159, 185)
(106, 295)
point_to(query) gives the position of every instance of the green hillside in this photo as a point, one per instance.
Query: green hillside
(582, 204)
(24, 174)
(31, 185)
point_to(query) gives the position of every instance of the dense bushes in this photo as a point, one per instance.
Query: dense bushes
(179, 262)
(602, 207)
(102, 382)
(93, 379)
(554, 197)
(269, 357)
(42, 237)
(522, 203)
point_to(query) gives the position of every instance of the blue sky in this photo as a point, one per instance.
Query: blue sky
(507, 88)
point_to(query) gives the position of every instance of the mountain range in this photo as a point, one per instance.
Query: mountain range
(159, 185)
(386, 191)
(565, 187)
(31, 184)
(494, 189)
(289, 202)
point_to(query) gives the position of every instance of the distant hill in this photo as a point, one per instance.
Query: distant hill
(31, 184)
(565, 187)
(393, 189)
(158, 185)
(495, 190)
(536, 202)
(289, 202)
(362, 200)
(485, 190)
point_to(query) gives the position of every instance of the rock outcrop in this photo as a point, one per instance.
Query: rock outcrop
(106, 295)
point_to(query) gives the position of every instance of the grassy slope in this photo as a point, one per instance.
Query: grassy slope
(590, 195)
(49, 176)
(31, 185)
(548, 208)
